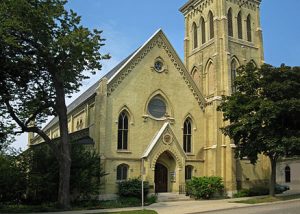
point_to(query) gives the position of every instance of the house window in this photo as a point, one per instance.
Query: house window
(249, 36)
(202, 24)
(157, 107)
(211, 25)
(188, 172)
(122, 172)
(187, 136)
(195, 35)
(240, 26)
(229, 19)
(287, 172)
(123, 131)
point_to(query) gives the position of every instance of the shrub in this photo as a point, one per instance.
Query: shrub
(204, 187)
(242, 193)
(133, 188)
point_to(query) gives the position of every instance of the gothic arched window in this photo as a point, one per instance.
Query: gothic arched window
(195, 36)
(240, 25)
(249, 33)
(234, 66)
(122, 172)
(287, 172)
(211, 25)
(188, 172)
(123, 131)
(187, 136)
(211, 78)
(229, 19)
(203, 36)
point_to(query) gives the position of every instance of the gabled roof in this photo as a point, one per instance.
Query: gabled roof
(114, 75)
(159, 39)
(91, 91)
(156, 139)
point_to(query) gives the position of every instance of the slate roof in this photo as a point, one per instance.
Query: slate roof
(89, 92)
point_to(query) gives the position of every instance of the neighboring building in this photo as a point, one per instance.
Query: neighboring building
(154, 107)
(288, 172)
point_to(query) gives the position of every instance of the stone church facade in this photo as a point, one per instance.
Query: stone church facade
(157, 114)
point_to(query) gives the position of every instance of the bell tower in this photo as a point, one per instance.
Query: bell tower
(220, 35)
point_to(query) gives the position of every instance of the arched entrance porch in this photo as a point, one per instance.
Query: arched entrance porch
(165, 173)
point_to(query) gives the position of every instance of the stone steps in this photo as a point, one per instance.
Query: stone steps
(170, 196)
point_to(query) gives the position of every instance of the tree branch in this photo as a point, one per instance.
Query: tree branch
(33, 129)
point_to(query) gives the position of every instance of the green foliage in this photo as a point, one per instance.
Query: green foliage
(204, 187)
(264, 114)
(12, 179)
(241, 193)
(45, 54)
(151, 199)
(43, 176)
(33, 176)
(133, 188)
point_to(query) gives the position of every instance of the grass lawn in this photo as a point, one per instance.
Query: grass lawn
(134, 212)
(268, 199)
(84, 205)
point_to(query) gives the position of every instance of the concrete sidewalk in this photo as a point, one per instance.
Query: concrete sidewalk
(183, 207)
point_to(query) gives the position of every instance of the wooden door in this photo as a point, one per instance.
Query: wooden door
(161, 178)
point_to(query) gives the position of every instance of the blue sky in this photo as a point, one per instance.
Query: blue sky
(127, 24)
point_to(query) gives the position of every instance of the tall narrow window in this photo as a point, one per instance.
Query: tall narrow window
(187, 136)
(123, 131)
(211, 81)
(240, 25)
(122, 172)
(233, 75)
(211, 25)
(287, 172)
(195, 35)
(249, 35)
(188, 172)
(229, 19)
(203, 36)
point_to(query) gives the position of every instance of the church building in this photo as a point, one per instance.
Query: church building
(157, 114)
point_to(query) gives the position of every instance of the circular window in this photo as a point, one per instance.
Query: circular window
(157, 107)
(158, 65)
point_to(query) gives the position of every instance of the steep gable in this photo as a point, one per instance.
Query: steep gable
(158, 39)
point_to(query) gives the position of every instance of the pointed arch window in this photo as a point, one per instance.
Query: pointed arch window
(211, 82)
(123, 131)
(234, 66)
(249, 30)
(122, 172)
(195, 36)
(203, 36)
(287, 172)
(229, 19)
(211, 25)
(188, 172)
(187, 136)
(240, 25)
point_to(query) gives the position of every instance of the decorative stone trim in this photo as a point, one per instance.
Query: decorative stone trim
(211, 147)
(249, 4)
(161, 44)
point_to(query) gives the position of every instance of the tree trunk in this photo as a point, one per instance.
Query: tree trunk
(273, 176)
(64, 157)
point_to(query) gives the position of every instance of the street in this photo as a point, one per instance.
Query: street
(288, 207)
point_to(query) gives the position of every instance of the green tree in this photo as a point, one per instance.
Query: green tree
(43, 173)
(44, 53)
(264, 113)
